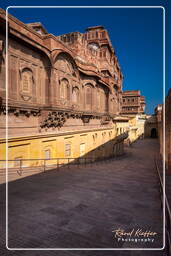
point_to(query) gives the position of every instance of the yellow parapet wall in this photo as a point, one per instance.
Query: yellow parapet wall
(94, 143)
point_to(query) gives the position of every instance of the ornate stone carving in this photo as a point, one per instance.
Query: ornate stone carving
(65, 65)
(21, 111)
(26, 97)
(54, 119)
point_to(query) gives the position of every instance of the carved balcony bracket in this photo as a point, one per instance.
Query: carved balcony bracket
(105, 119)
(86, 118)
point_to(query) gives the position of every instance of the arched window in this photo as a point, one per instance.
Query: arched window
(98, 99)
(103, 99)
(106, 101)
(75, 95)
(88, 96)
(27, 80)
(64, 89)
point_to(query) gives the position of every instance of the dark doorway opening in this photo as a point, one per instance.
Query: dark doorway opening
(153, 133)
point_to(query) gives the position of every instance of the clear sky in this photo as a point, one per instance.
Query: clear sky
(136, 35)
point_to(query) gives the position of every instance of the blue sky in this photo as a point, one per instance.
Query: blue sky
(136, 35)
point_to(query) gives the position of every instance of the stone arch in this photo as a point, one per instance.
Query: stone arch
(64, 62)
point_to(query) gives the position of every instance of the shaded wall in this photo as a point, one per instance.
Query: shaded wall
(168, 131)
(98, 143)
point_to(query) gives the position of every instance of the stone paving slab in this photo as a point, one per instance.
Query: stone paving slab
(79, 208)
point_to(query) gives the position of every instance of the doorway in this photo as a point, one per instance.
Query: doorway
(153, 133)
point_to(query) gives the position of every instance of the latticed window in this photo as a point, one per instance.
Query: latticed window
(106, 102)
(98, 99)
(88, 96)
(82, 149)
(64, 89)
(75, 95)
(67, 149)
(27, 80)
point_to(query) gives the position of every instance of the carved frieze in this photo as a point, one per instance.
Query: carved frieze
(20, 111)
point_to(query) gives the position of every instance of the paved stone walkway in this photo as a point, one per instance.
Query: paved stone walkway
(79, 208)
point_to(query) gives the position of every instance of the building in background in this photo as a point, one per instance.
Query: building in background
(132, 103)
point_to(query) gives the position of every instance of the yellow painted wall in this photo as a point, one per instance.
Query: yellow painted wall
(98, 143)
(122, 127)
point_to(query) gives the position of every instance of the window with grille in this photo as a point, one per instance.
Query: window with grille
(68, 150)
(82, 149)
(88, 96)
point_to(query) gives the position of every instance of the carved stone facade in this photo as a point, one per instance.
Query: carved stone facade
(55, 80)
(132, 103)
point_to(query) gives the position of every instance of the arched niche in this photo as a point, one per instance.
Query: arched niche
(66, 64)
(88, 89)
(64, 89)
(75, 95)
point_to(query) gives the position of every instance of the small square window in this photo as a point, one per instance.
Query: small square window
(47, 154)
(18, 161)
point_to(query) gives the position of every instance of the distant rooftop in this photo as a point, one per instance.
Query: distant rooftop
(133, 92)
(94, 28)
(38, 27)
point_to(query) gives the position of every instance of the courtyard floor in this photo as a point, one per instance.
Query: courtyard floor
(80, 207)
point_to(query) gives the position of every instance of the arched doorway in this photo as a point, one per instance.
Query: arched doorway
(153, 133)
